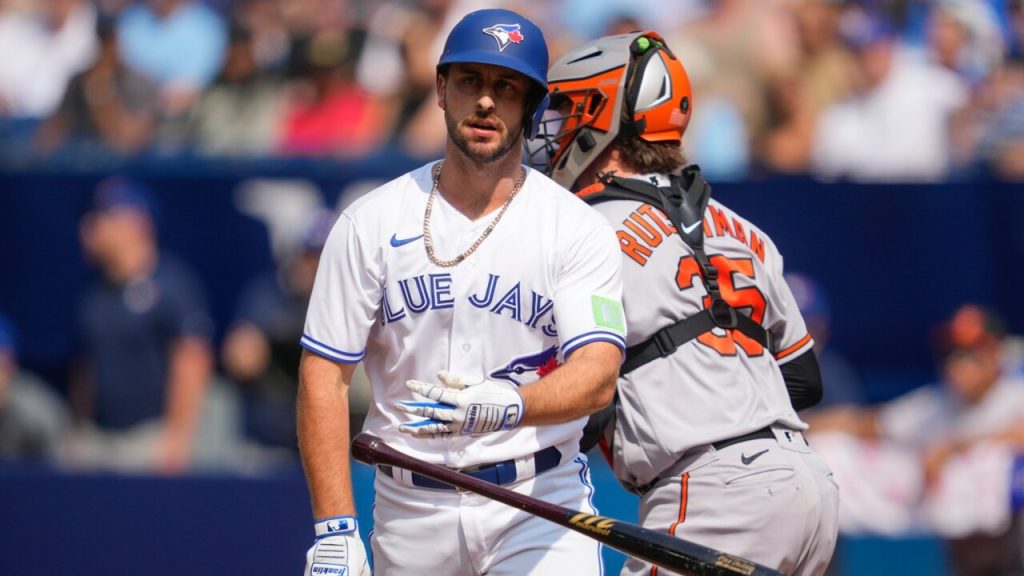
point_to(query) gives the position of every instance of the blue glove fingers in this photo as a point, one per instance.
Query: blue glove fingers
(433, 410)
(429, 428)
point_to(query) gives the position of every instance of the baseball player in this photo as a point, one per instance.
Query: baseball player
(704, 429)
(485, 303)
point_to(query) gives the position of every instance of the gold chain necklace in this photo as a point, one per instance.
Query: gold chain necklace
(487, 231)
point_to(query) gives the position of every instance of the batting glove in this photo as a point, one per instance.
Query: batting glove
(458, 407)
(338, 549)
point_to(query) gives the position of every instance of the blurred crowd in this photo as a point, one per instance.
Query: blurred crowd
(878, 90)
(945, 458)
(149, 389)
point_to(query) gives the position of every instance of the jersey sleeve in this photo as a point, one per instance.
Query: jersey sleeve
(345, 298)
(588, 296)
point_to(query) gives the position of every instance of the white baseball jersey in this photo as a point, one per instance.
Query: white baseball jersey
(544, 283)
(722, 384)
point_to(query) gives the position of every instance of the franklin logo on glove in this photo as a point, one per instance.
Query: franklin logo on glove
(333, 570)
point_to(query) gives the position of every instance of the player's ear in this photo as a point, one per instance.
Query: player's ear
(615, 152)
(442, 82)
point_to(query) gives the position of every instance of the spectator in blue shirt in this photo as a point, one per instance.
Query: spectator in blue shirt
(177, 44)
(144, 341)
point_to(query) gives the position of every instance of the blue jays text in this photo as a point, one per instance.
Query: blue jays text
(425, 292)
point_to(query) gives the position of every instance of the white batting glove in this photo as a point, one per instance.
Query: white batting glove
(459, 407)
(338, 549)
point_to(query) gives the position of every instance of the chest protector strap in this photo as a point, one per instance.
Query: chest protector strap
(684, 206)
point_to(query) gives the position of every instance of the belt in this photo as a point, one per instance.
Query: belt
(499, 473)
(765, 432)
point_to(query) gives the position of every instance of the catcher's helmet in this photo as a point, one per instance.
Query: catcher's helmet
(502, 38)
(626, 85)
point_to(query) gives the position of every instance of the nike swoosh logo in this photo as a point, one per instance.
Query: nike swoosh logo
(692, 227)
(748, 459)
(395, 242)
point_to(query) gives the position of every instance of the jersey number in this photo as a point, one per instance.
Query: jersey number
(749, 298)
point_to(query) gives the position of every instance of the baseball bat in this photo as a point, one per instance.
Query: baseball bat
(659, 549)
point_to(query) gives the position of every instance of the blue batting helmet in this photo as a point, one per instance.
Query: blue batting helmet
(503, 38)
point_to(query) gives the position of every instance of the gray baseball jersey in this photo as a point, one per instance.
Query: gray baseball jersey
(722, 384)
(766, 497)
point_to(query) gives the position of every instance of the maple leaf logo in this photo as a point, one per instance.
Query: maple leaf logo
(548, 367)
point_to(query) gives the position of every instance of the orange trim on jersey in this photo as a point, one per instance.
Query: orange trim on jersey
(592, 189)
(684, 491)
(783, 353)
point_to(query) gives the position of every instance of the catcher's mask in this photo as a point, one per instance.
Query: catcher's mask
(502, 38)
(630, 85)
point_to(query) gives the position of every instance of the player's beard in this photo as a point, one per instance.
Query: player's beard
(478, 152)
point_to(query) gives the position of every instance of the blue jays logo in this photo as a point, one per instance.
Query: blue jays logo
(505, 34)
(541, 363)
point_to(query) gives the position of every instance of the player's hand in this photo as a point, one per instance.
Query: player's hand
(458, 407)
(338, 549)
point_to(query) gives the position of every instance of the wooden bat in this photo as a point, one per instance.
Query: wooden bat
(660, 549)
